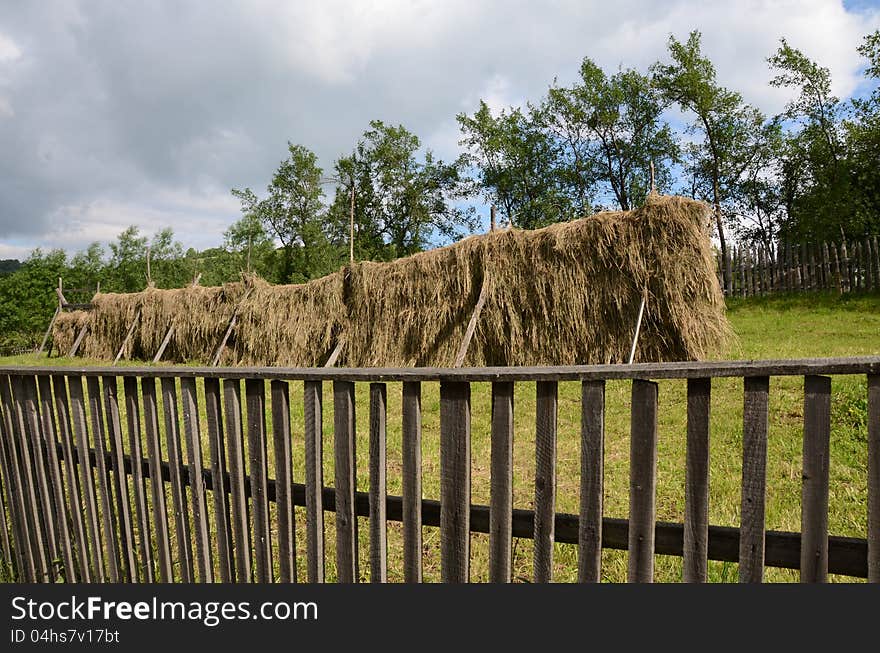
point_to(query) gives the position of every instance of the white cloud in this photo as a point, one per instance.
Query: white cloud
(114, 114)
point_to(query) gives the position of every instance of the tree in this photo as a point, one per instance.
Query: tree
(609, 130)
(293, 212)
(721, 119)
(516, 164)
(128, 261)
(27, 298)
(862, 132)
(818, 199)
(401, 201)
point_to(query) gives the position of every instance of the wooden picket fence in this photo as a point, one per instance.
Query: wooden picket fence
(83, 502)
(842, 267)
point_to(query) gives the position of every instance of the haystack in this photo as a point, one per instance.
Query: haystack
(565, 294)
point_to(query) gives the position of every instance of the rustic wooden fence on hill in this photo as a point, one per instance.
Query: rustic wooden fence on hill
(842, 267)
(83, 502)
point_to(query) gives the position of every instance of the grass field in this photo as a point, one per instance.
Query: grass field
(781, 327)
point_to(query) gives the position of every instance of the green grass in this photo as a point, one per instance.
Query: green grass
(802, 326)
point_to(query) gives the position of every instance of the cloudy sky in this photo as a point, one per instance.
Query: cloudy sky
(118, 113)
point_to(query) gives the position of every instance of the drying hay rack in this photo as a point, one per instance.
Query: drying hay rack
(65, 305)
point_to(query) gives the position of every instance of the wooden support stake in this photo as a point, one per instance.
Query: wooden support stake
(128, 335)
(472, 325)
(164, 344)
(49, 329)
(632, 351)
(79, 339)
(335, 355)
(215, 361)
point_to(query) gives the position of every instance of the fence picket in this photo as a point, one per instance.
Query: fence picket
(455, 481)
(696, 511)
(755, 425)
(138, 485)
(241, 533)
(314, 444)
(412, 482)
(220, 484)
(193, 435)
(643, 480)
(255, 397)
(176, 468)
(814, 498)
(592, 483)
(346, 478)
(157, 485)
(283, 482)
(874, 478)
(120, 482)
(545, 478)
(87, 481)
(27, 568)
(378, 491)
(501, 484)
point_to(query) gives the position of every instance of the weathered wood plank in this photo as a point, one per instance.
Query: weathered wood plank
(255, 396)
(146, 572)
(643, 481)
(87, 481)
(501, 484)
(455, 481)
(284, 482)
(193, 435)
(754, 479)
(128, 570)
(109, 518)
(220, 484)
(545, 478)
(592, 481)
(346, 478)
(164, 345)
(26, 387)
(36, 532)
(55, 477)
(314, 445)
(180, 510)
(241, 533)
(378, 486)
(412, 481)
(72, 485)
(814, 497)
(157, 486)
(128, 334)
(874, 478)
(696, 500)
(18, 502)
(472, 324)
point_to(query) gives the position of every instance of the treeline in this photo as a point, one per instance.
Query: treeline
(809, 174)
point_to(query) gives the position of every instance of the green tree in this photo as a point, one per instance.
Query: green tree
(293, 213)
(862, 130)
(721, 119)
(818, 189)
(609, 130)
(128, 261)
(401, 200)
(515, 160)
(28, 299)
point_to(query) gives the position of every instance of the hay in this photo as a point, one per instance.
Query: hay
(67, 326)
(565, 294)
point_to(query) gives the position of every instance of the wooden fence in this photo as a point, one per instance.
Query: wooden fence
(84, 502)
(842, 267)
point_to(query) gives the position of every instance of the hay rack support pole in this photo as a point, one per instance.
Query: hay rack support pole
(52, 321)
(232, 322)
(632, 351)
(335, 355)
(79, 338)
(128, 335)
(472, 325)
(164, 344)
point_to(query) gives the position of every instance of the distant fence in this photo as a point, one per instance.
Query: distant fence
(83, 502)
(843, 267)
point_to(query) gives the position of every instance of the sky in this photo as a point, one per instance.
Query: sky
(117, 113)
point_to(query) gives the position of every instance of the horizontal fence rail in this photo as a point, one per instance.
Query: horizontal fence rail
(186, 474)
